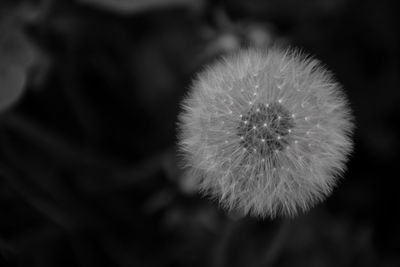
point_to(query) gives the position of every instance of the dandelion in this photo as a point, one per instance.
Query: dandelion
(266, 132)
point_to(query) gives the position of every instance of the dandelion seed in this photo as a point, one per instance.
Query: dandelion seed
(265, 170)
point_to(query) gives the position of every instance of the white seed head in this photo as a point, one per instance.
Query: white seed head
(270, 166)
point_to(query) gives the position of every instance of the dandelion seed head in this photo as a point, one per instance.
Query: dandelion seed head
(265, 139)
(289, 128)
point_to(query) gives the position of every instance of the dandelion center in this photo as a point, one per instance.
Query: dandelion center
(265, 128)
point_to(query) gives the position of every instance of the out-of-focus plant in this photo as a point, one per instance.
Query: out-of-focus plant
(135, 6)
(17, 56)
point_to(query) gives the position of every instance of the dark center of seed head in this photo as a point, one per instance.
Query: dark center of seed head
(265, 128)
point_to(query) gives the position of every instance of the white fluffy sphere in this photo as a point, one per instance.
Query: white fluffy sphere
(266, 132)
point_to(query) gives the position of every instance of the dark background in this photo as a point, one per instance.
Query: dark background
(89, 97)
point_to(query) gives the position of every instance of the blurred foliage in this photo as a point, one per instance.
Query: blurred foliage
(136, 6)
(17, 57)
(89, 94)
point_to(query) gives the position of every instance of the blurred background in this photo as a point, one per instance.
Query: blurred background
(89, 97)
